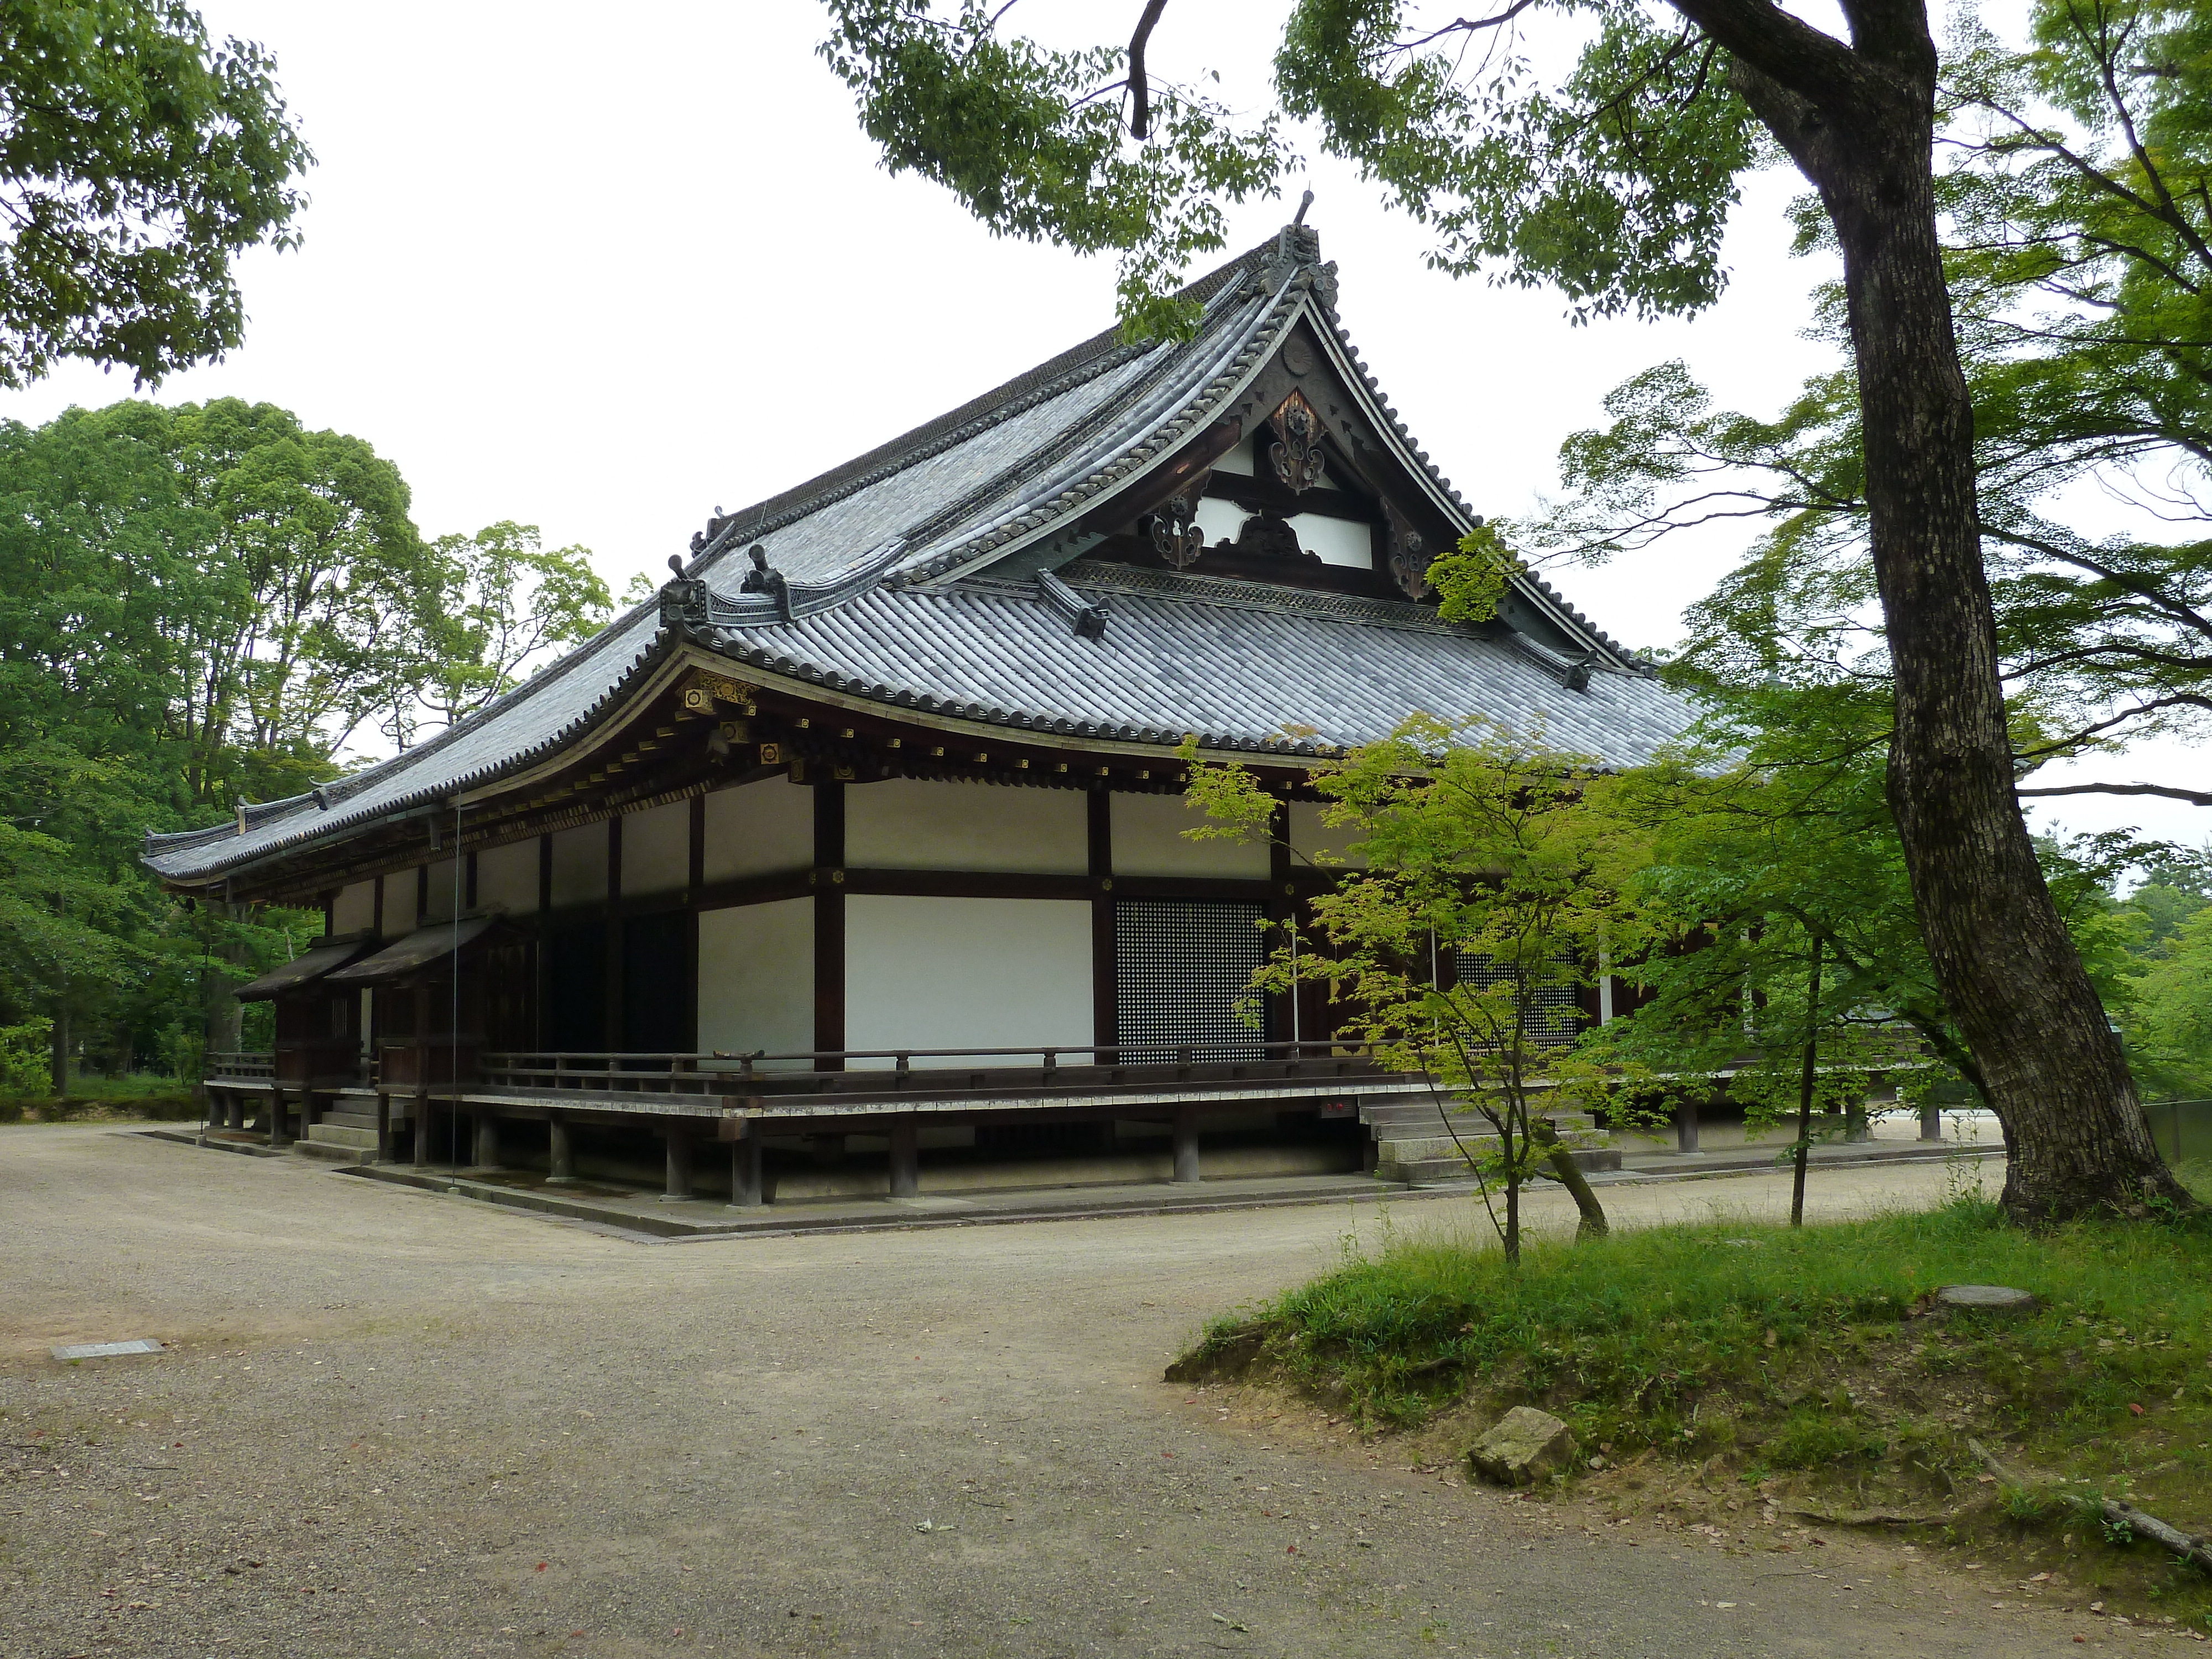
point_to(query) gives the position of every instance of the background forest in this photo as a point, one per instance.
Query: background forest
(208, 602)
(201, 604)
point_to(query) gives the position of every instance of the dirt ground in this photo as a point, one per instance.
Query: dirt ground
(396, 1423)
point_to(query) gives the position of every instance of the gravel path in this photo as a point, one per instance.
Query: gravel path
(394, 1423)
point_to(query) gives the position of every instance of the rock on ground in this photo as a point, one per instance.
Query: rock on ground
(1523, 1447)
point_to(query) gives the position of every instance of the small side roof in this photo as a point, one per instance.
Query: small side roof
(418, 950)
(306, 967)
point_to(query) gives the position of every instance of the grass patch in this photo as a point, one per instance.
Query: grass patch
(104, 1099)
(1765, 1365)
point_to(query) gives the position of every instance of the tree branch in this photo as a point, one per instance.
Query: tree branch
(1140, 108)
(2194, 798)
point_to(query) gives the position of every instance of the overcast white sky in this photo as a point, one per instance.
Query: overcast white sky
(605, 269)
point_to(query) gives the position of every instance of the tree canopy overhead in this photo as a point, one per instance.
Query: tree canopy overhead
(2079, 245)
(137, 161)
(1613, 179)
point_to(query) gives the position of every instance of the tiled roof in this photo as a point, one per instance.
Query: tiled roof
(889, 595)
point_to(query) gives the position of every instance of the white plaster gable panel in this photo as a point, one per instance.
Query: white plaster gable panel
(1238, 460)
(910, 823)
(507, 878)
(756, 978)
(656, 849)
(1345, 542)
(580, 865)
(355, 908)
(399, 916)
(1325, 845)
(759, 829)
(1149, 840)
(936, 973)
(439, 892)
(1219, 519)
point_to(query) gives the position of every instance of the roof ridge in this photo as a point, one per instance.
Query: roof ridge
(1084, 360)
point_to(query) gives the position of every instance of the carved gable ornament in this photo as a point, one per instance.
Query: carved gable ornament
(1409, 555)
(1176, 536)
(1297, 455)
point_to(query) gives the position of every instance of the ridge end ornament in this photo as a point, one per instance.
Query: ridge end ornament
(1177, 536)
(1297, 455)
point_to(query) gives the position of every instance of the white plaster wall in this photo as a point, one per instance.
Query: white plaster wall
(580, 865)
(758, 828)
(441, 895)
(656, 849)
(355, 907)
(1239, 460)
(912, 823)
(1219, 519)
(936, 973)
(1338, 541)
(399, 916)
(1148, 841)
(756, 978)
(1310, 835)
(507, 878)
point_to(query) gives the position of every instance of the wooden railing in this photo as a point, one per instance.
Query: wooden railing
(241, 1064)
(1056, 1068)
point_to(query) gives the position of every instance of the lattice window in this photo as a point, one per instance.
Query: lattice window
(1555, 1017)
(1182, 967)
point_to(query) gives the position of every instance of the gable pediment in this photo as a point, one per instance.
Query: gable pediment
(1293, 485)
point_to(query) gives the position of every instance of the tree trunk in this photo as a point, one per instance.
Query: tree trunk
(2009, 971)
(58, 1053)
(1805, 1091)
(1593, 1224)
(225, 1017)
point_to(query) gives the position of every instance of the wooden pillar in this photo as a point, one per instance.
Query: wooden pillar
(1686, 1126)
(560, 1159)
(680, 1166)
(1186, 1143)
(233, 1110)
(906, 1157)
(487, 1140)
(1931, 1121)
(830, 922)
(540, 966)
(1105, 967)
(617, 1039)
(422, 1128)
(383, 1126)
(276, 1116)
(1282, 906)
(694, 879)
(745, 1174)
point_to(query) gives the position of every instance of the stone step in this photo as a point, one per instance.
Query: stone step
(353, 1139)
(1430, 1122)
(354, 1120)
(1411, 1149)
(1428, 1172)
